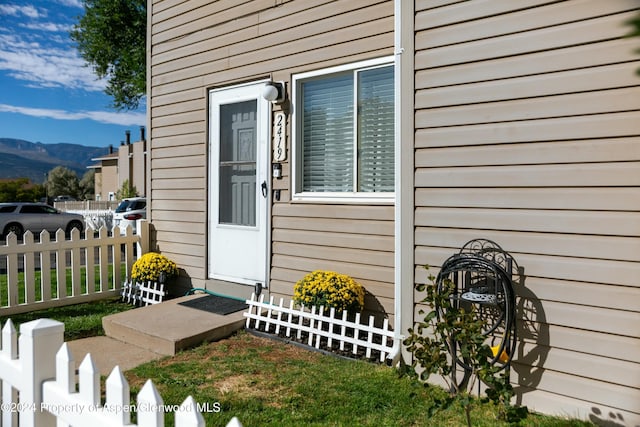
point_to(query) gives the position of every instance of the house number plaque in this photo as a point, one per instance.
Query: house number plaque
(279, 138)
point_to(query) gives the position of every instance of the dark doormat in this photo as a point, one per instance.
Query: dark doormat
(216, 304)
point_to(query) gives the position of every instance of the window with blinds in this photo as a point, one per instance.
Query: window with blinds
(346, 135)
(375, 130)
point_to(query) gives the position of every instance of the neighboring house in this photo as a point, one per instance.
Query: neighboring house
(106, 175)
(127, 163)
(514, 121)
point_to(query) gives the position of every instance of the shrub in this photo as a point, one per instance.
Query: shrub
(430, 342)
(329, 289)
(149, 266)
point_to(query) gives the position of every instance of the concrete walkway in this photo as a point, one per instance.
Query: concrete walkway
(148, 333)
(108, 352)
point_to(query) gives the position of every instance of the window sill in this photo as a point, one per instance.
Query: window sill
(345, 198)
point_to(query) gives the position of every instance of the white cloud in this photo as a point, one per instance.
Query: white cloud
(47, 26)
(39, 53)
(15, 10)
(71, 3)
(124, 119)
(46, 66)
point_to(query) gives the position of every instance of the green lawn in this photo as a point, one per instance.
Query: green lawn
(54, 283)
(270, 383)
(81, 320)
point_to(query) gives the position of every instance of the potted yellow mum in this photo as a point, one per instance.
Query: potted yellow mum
(153, 267)
(329, 289)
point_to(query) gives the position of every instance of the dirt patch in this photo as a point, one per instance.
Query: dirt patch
(240, 384)
(283, 351)
(213, 359)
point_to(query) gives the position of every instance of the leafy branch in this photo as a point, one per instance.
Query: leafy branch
(449, 342)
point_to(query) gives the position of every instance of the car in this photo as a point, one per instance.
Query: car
(128, 212)
(35, 217)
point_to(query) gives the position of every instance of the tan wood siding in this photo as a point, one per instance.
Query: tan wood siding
(354, 240)
(527, 133)
(567, 245)
(199, 45)
(614, 199)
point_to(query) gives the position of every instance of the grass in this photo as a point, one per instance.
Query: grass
(80, 320)
(270, 383)
(54, 283)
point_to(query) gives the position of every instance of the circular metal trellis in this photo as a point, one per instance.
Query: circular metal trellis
(482, 276)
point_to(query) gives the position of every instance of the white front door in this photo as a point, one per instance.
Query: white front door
(238, 184)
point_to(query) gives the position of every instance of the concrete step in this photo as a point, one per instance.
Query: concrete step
(107, 353)
(169, 327)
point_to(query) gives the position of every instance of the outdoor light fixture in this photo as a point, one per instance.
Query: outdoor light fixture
(274, 92)
(277, 170)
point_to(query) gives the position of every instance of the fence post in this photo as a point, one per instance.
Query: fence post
(9, 354)
(142, 230)
(149, 406)
(39, 341)
(117, 391)
(12, 271)
(188, 415)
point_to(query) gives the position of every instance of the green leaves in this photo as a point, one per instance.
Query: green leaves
(127, 190)
(449, 335)
(62, 180)
(635, 32)
(111, 37)
(20, 190)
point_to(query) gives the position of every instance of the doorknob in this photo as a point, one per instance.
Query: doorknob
(264, 188)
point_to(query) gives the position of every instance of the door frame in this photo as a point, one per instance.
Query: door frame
(264, 107)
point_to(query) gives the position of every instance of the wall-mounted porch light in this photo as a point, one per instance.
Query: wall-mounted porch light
(275, 92)
(277, 170)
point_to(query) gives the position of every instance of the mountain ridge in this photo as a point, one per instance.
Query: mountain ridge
(20, 158)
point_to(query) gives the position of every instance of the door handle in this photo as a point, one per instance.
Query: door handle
(264, 188)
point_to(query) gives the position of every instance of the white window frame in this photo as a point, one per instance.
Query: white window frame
(296, 132)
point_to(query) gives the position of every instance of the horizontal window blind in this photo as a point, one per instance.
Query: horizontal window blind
(376, 130)
(328, 134)
(348, 131)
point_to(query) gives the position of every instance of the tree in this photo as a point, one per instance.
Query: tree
(635, 23)
(127, 190)
(87, 185)
(19, 190)
(62, 181)
(451, 334)
(111, 37)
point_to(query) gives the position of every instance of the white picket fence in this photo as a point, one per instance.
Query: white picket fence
(87, 205)
(319, 329)
(96, 213)
(96, 218)
(39, 387)
(36, 271)
(143, 294)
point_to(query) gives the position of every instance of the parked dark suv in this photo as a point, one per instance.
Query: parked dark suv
(35, 217)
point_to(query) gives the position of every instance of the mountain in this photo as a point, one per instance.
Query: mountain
(25, 159)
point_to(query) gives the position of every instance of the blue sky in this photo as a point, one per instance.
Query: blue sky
(48, 93)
